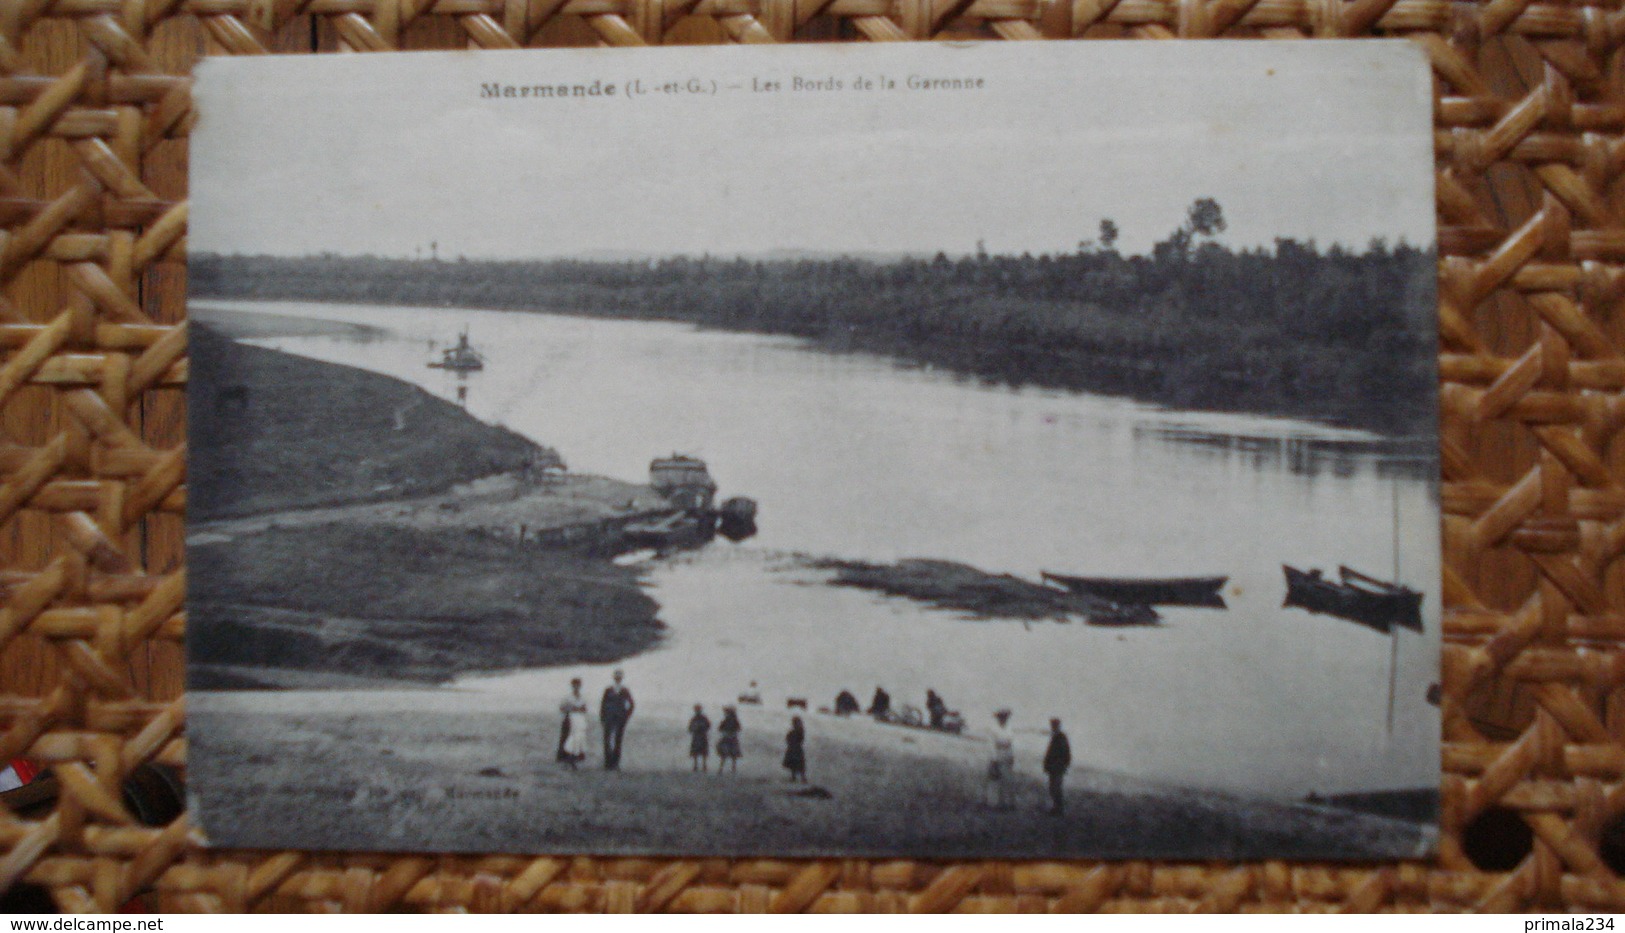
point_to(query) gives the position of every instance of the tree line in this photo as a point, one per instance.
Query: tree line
(1343, 336)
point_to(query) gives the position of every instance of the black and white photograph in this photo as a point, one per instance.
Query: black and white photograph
(1007, 450)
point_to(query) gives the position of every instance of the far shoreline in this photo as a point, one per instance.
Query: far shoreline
(1382, 441)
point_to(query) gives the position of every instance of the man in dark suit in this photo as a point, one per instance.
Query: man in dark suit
(1057, 759)
(613, 712)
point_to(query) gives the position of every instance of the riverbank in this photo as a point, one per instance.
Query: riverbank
(461, 771)
(352, 531)
(271, 431)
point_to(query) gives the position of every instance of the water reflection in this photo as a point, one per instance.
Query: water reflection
(1307, 455)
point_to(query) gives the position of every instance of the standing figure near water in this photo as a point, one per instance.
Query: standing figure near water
(846, 704)
(935, 708)
(699, 739)
(1057, 758)
(614, 709)
(880, 706)
(1001, 767)
(728, 745)
(573, 731)
(795, 752)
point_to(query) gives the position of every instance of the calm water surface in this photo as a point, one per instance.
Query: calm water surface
(855, 456)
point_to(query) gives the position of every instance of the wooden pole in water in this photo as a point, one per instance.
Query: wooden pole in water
(1393, 629)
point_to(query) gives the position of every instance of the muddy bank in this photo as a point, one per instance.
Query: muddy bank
(977, 593)
(395, 602)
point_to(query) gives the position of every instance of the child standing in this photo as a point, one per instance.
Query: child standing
(728, 745)
(699, 739)
(795, 753)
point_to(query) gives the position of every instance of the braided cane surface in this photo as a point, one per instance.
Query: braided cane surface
(94, 111)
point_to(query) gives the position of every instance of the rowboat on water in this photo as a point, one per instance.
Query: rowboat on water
(1148, 591)
(1358, 598)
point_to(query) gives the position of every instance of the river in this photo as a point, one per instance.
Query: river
(856, 456)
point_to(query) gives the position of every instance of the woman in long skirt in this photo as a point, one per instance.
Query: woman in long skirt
(795, 752)
(728, 745)
(573, 732)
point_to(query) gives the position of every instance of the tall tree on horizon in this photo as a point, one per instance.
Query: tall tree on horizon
(1108, 233)
(1205, 217)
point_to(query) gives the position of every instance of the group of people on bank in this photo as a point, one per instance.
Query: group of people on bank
(937, 715)
(616, 705)
(1000, 789)
(615, 711)
(728, 752)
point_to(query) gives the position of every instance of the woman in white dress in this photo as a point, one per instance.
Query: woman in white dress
(1001, 767)
(573, 731)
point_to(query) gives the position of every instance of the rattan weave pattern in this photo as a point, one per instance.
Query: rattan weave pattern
(94, 111)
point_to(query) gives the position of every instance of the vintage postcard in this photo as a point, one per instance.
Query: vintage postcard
(996, 450)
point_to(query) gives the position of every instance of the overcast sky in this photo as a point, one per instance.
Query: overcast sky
(384, 154)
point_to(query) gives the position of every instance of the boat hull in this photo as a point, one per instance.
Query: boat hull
(1114, 615)
(1172, 591)
(1376, 606)
(736, 519)
(677, 530)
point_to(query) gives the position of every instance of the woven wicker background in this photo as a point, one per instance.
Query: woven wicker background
(94, 113)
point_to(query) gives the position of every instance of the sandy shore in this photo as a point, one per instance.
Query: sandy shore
(447, 770)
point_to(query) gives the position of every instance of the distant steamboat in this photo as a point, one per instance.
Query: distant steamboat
(461, 358)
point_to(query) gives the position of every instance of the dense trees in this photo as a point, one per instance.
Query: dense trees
(1333, 334)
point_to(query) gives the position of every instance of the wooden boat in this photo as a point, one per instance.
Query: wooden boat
(684, 481)
(1169, 591)
(740, 509)
(1407, 602)
(1357, 598)
(461, 358)
(736, 519)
